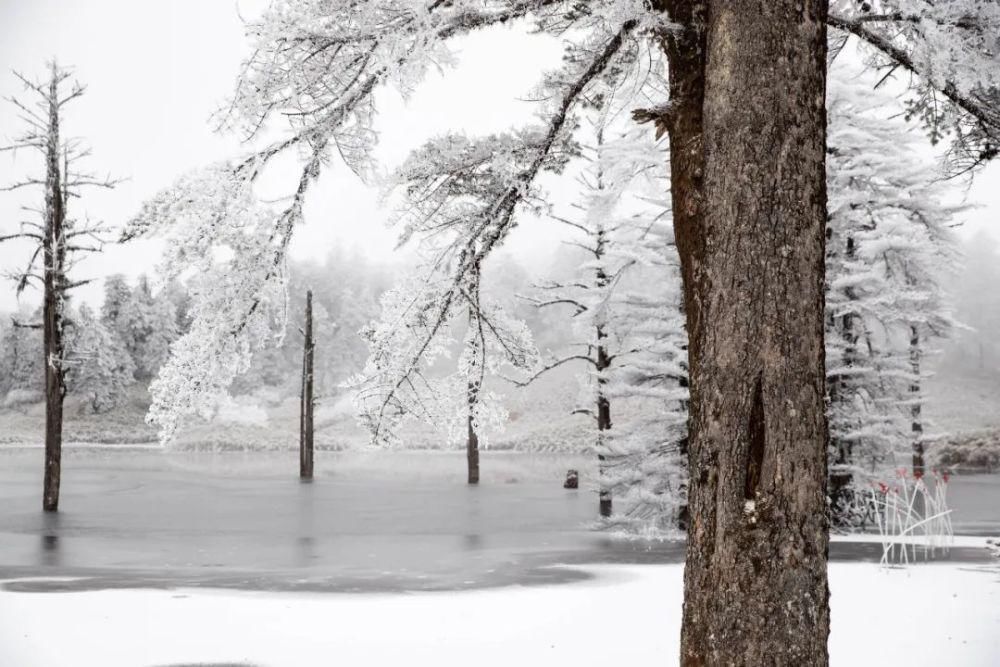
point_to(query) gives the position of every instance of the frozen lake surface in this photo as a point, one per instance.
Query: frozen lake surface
(369, 522)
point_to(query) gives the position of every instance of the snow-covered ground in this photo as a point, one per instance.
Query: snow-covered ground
(937, 614)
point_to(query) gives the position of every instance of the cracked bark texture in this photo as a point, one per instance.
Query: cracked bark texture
(747, 129)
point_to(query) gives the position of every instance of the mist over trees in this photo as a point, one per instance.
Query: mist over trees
(976, 349)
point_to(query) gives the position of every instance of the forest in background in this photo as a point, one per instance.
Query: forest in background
(109, 392)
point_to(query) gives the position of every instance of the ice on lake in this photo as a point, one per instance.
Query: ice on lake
(370, 521)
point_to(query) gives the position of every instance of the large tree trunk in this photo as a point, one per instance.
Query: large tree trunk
(54, 252)
(307, 402)
(749, 206)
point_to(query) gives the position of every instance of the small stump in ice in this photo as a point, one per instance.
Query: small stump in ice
(572, 480)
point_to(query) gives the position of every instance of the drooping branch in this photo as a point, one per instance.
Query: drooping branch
(920, 37)
(456, 180)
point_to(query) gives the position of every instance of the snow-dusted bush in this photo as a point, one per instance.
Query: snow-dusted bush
(968, 452)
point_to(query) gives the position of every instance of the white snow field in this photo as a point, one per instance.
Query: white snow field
(928, 614)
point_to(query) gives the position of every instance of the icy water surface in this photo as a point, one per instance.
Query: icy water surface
(368, 522)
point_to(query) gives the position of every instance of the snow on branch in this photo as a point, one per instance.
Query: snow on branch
(461, 195)
(315, 65)
(403, 377)
(953, 49)
(227, 247)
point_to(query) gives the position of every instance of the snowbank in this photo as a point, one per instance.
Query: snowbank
(934, 614)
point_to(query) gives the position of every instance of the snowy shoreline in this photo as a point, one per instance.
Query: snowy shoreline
(560, 625)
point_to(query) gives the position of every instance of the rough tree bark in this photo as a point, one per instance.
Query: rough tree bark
(685, 49)
(747, 130)
(307, 402)
(54, 281)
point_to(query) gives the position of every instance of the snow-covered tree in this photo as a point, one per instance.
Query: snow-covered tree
(57, 241)
(345, 288)
(146, 323)
(623, 300)
(100, 367)
(404, 376)
(152, 326)
(950, 50)
(889, 249)
(114, 309)
(317, 64)
(20, 361)
(647, 458)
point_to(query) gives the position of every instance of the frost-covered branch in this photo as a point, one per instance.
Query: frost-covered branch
(951, 48)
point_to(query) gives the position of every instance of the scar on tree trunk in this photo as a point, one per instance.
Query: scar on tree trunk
(307, 402)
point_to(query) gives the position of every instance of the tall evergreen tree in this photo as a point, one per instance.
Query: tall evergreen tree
(621, 298)
(100, 367)
(889, 249)
(20, 364)
(152, 325)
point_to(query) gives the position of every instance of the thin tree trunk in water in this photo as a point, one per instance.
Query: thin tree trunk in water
(307, 402)
(749, 206)
(54, 252)
(603, 421)
(917, 424)
(603, 359)
(472, 442)
(475, 375)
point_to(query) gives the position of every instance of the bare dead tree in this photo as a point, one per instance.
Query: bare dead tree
(307, 402)
(58, 242)
(475, 349)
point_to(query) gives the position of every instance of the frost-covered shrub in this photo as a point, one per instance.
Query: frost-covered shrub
(977, 452)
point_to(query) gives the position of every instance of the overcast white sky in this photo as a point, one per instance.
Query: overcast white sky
(156, 71)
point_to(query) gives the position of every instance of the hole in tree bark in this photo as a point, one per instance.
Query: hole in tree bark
(757, 437)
